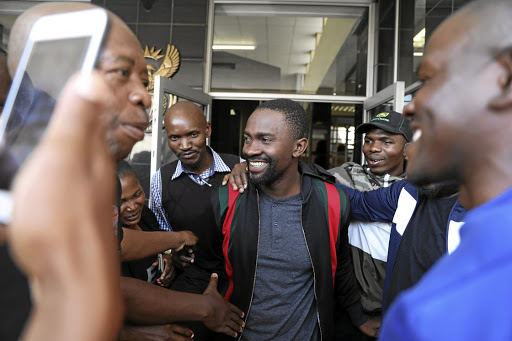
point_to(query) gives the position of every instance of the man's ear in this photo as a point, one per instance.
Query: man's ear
(504, 100)
(406, 145)
(208, 129)
(300, 147)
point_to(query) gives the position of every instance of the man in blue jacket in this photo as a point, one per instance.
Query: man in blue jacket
(462, 119)
(387, 136)
(425, 226)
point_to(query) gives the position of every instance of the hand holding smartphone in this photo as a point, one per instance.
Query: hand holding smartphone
(58, 46)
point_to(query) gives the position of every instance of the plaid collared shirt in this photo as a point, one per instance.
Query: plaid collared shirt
(155, 201)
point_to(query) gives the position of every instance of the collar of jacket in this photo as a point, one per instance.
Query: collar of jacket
(308, 171)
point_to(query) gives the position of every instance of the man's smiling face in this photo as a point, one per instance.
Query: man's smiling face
(450, 111)
(384, 152)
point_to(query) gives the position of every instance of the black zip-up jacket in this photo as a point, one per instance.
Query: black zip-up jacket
(237, 216)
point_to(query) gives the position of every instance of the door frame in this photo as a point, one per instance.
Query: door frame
(162, 86)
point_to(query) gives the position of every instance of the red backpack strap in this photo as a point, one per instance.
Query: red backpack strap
(332, 209)
(228, 198)
(334, 216)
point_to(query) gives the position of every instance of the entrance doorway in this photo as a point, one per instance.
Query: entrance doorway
(332, 140)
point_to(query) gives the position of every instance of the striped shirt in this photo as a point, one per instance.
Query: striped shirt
(155, 201)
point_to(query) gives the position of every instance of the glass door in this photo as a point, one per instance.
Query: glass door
(390, 98)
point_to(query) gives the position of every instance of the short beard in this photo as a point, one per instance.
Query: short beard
(438, 191)
(269, 177)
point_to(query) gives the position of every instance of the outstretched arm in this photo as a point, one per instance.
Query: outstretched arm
(151, 304)
(65, 243)
(169, 332)
(141, 244)
(377, 205)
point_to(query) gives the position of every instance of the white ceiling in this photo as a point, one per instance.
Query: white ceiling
(289, 38)
(283, 42)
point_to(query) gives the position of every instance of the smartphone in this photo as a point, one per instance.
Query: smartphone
(161, 264)
(58, 46)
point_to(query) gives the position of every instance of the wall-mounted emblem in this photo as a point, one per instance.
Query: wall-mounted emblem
(167, 68)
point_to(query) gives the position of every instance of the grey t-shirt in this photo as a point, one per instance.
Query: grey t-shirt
(283, 305)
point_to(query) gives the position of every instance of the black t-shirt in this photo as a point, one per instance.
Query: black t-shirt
(144, 269)
(422, 244)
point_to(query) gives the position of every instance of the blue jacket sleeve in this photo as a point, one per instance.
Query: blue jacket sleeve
(378, 205)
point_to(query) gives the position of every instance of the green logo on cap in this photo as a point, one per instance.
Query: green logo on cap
(381, 117)
(382, 114)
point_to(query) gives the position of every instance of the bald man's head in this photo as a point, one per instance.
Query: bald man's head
(23, 24)
(187, 131)
(186, 108)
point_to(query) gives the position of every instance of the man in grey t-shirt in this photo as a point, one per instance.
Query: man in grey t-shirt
(287, 259)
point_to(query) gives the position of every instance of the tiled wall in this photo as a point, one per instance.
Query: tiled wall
(182, 23)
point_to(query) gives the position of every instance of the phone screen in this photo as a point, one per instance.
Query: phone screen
(50, 64)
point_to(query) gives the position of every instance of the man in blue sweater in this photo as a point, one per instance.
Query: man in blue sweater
(425, 223)
(462, 116)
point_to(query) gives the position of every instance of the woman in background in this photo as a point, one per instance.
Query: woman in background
(136, 215)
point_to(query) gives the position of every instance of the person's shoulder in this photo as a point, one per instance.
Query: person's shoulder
(315, 171)
(229, 159)
(148, 221)
(171, 164)
(349, 174)
(330, 192)
(451, 300)
(168, 167)
(407, 186)
(347, 167)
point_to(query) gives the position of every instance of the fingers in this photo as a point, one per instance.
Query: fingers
(79, 107)
(77, 127)
(181, 330)
(232, 328)
(184, 257)
(239, 313)
(244, 179)
(73, 151)
(167, 272)
(212, 286)
(234, 182)
(238, 177)
(228, 331)
(186, 260)
(187, 255)
(236, 324)
(225, 179)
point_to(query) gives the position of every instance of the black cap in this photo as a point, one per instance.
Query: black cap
(390, 121)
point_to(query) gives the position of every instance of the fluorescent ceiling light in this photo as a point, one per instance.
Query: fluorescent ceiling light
(418, 54)
(233, 47)
(419, 40)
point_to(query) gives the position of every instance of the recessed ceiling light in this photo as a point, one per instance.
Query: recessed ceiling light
(233, 47)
